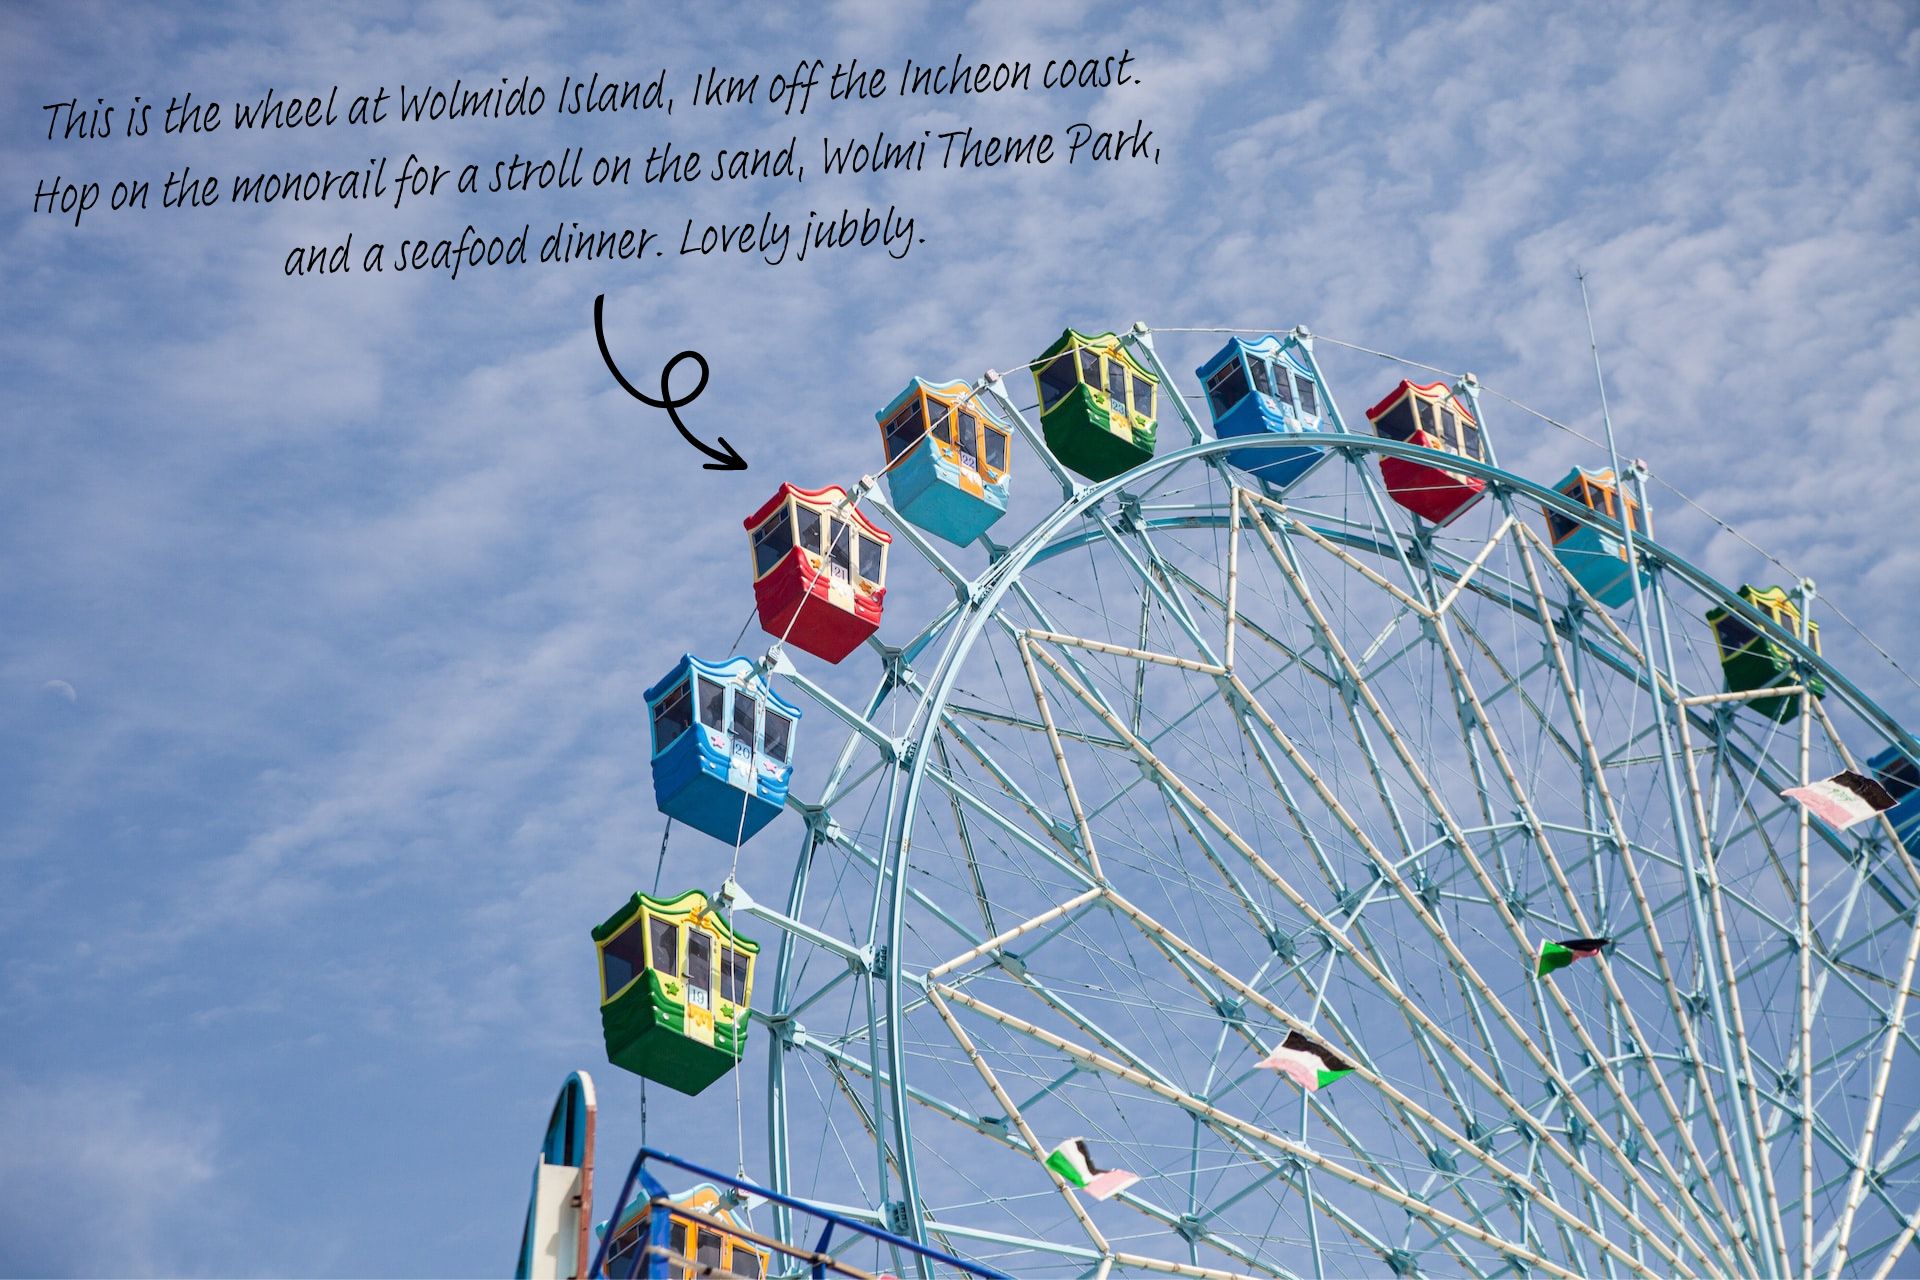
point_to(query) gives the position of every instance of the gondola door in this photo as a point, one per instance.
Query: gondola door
(699, 980)
(740, 742)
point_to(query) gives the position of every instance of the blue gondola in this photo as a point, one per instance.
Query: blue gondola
(1262, 387)
(947, 460)
(726, 775)
(1596, 557)
(1901, 777)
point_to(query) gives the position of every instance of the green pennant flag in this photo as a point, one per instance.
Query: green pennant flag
(1558, 955)
(1074, 1163)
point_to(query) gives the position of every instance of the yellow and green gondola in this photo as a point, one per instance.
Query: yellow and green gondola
(676, 984)
(1753, 661)
(1097, 405)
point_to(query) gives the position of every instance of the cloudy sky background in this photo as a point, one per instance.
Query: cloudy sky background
(328, 603)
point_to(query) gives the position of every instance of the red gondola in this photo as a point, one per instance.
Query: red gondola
(1433, 417)
(819, 570)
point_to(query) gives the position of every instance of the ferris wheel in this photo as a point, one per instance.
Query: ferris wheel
(1307, 848)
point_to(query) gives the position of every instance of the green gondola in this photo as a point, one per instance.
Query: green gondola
(1752, 661)
(675, 987)
(1097, 406)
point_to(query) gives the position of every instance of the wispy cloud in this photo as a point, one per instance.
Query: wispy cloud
(330, 603)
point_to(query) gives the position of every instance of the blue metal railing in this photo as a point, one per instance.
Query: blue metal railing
(656, 1193)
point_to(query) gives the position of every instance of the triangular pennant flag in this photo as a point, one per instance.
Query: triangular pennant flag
(1072, 1161)
(1842, 800)
(1558, 955)
(1311, 1066)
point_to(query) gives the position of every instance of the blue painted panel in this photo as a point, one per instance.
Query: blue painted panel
(1597, 562)
(1595, 556)
(1258, 413)
(925, 487)
(1905, 815)
(1905, 818)
(727, 787)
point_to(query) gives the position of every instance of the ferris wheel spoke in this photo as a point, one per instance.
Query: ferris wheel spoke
(1047, 623)
(1193, 962)
(1055, 828)
(840, 839)
(1418, 1117)
(1276, 1141)
(1550, 859)
(1863, 1154)
(1497, 899)
(1012, 1112)
(1240, 621)
(1161, 586)
(1332, 930)
(1623, 1009)
(839, 1062)
(1164, 1217)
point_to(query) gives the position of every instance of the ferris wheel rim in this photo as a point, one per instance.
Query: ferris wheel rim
(985, 595)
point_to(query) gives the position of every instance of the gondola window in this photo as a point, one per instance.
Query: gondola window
(673, 717)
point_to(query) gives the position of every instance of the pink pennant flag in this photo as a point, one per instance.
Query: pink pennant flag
(1308, 1064)
(1843, 800)
(1110, 1183)
(1301, 1068)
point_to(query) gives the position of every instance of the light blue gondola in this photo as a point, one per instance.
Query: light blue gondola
(722, 747)
(1595, 556)
(1901, 777)
(948, 469)
(1266, 386)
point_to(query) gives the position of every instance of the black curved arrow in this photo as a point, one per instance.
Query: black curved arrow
(725, 458)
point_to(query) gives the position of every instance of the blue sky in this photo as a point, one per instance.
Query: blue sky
(328, 603)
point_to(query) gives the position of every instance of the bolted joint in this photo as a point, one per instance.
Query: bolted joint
(1427, 890)
(731, 897)
(821, 826)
